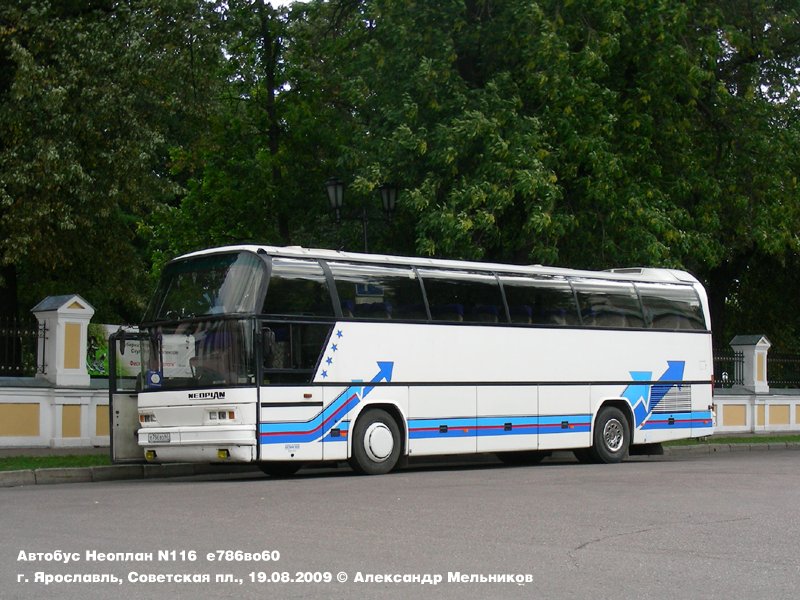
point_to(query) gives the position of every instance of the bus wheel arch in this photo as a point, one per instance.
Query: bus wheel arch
(612, 433)
(378, 440)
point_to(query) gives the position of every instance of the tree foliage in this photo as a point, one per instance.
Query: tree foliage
(90, 96)
(587, 133)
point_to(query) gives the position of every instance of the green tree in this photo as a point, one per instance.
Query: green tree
(591, 134)
(258, 173)
(90, 95)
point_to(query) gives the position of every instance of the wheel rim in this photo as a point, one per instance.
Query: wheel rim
(378, 442)
(614, 435)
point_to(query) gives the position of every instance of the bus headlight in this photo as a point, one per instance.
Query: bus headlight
(221, 415)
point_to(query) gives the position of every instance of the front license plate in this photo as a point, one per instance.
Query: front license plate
(155, 438)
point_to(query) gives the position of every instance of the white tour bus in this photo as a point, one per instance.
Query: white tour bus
(287, 356)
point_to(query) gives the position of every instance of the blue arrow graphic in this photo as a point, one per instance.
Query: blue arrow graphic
(320, 425)
(385, 369)
(645, 397)
(638, 394)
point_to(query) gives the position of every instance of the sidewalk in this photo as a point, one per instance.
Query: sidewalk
(147, 471)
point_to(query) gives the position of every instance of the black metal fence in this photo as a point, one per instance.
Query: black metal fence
(20, 338)
(728, 368)
(18, 342)
(783, 370)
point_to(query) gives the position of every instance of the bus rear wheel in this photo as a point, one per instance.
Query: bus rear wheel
(611, 437)
(376, 443)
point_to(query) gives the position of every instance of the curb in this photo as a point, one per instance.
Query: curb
(115, 473)
(715, 448)
(144, 471)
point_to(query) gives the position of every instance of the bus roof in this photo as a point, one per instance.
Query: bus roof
(641, 274)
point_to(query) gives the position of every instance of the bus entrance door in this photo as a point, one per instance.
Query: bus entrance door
(124, 366)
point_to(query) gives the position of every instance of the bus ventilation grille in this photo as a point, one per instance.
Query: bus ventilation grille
(675, 400)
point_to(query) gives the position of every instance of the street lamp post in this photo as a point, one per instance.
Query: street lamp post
(335, 189)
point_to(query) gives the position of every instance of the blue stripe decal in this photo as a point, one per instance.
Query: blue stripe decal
(696, 420)
(344, 432)
(643, 397)
(497, 426)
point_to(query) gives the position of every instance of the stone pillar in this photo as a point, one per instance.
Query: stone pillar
(63, 351)
(755, 349)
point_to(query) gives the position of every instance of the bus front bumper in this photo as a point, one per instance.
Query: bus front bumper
(219, 444)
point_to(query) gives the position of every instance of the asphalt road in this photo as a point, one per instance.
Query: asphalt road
(693, 526)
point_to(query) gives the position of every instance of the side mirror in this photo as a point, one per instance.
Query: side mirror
(121, 338)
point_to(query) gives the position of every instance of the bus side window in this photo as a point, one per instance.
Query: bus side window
(521, 313)
(447, 312)
(297, 288)
(540, 300)
(608, 304)
(671, 307)
(461, 296)
(378, 293)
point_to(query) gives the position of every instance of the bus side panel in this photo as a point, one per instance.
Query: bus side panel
(693, 419)
(702, 401)
(336, 425)
(658, 429)
(343, 409)
(508, 418)
(291, 420)
(564, 417)
(442, 420)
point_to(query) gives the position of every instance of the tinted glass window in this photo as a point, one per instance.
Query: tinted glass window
(671, 306)
(199, 354)
(540, 301)
(608, 304)
(377, 292)
(458, 296)
(291, 350)
(297, 287)
(212, 284)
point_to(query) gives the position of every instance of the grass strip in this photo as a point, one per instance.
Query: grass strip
(17, 463)
(737, 439)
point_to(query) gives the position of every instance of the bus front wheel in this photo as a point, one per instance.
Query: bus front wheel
(376, 443)
(611, 436)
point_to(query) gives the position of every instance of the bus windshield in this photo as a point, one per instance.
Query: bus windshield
(200, 353)
(214, 284)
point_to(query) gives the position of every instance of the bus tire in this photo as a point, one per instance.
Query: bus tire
(611, 437)
(376, 443)
(280, 468)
